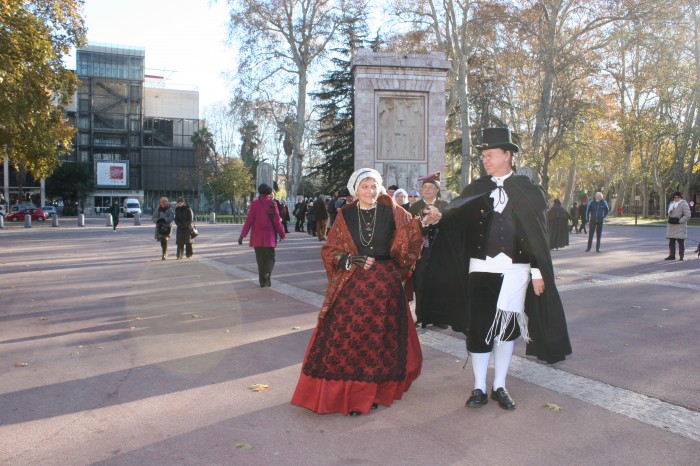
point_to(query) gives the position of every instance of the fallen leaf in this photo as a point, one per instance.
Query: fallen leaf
(553, 407)
(636, 307)
(228, 331)
(195, 316)
(138, 318)
(296, 328)
(74, 354)
(43, 318)
(132, 328)
(243, 446)
(243, 299)
(21, 364)
(659, 325)
(100, 347)
(259, 387)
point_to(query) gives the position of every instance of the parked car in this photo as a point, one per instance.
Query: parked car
(36, 213)
(49, 210)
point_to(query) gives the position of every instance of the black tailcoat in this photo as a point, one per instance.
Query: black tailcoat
(463, 232)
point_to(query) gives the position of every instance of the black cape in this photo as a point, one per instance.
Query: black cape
(449, 267)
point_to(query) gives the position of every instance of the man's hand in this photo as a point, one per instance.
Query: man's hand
(431, 216)
(538, 285)
(240, 240)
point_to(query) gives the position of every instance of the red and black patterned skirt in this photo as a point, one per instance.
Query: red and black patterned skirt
(365, 350)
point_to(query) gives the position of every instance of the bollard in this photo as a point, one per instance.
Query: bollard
(137, 219)
(54, 220)
(109, 221)
(81, 220)
(2, 221)
(27, 221)
(212, 218)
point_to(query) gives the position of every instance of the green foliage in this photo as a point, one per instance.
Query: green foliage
(233, 181)
(249, 147)
(336, 136)
(71, 182)
(34, 85)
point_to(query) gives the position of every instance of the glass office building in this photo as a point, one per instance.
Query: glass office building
(137, 151)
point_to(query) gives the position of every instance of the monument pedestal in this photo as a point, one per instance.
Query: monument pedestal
(400, 115)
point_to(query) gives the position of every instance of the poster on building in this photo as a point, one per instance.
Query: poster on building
(112, 174)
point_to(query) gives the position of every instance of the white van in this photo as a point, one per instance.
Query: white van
(131, 207)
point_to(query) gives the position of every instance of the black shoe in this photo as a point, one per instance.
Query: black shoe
(267, 280)
(670, 258)
(375, 405)
(588, 250)
(681, 258)
(597, 250)
(355, 413)
(417, 324)
(477, 400)
(442, 326)
(503, 398)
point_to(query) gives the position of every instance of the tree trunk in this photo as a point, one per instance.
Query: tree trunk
(299, 128)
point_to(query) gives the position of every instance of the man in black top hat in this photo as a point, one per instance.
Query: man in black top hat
(506, 290)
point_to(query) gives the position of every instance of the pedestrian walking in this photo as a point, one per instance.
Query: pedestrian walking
(558, 225)
(677, 226)
(264, 224)
(184, 219)
(163, 217)
(596, 211)
(114, 212)
(573, 213)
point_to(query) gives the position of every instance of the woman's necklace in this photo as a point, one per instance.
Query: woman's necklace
(366, 225)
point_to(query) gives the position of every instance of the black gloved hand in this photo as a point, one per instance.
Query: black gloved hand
(240, 241)
(359, 260)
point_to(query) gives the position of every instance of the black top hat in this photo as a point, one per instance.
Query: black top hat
(498, 138)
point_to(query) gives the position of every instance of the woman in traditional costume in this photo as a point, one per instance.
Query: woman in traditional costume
(364, 351)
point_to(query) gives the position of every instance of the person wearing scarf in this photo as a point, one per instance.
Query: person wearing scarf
(677, 226)
(364, 350)
(497, 227)
(163, 217)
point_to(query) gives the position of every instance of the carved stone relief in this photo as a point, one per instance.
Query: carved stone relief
(401, 128)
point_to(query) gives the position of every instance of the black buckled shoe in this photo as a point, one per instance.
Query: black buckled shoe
(477, 400)
(503, 398)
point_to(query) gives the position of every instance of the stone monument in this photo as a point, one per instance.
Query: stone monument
(400, 115)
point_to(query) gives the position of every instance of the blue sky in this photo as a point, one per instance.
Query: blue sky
(184, 40)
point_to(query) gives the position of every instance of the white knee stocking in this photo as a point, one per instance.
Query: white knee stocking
(502, 354)
(480, 365)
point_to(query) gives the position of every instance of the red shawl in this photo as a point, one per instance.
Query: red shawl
(406, 246)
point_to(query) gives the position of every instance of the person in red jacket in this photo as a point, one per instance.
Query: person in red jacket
(264, 221)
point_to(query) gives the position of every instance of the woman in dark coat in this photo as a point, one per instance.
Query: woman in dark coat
(163, 216)
(558, 225)
(184, 221)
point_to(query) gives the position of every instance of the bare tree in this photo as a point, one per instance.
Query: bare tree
(287, 36)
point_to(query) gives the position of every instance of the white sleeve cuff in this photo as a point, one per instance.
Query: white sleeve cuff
(535, 273)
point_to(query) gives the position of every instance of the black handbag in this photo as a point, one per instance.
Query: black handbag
(193, 231)
(674, 220)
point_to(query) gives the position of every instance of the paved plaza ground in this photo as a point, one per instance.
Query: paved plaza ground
(109, 355)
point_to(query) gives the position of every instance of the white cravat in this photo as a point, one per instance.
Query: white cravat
(500, 198)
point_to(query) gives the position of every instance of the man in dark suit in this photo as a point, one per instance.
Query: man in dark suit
(492, 270)
(431, 197)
